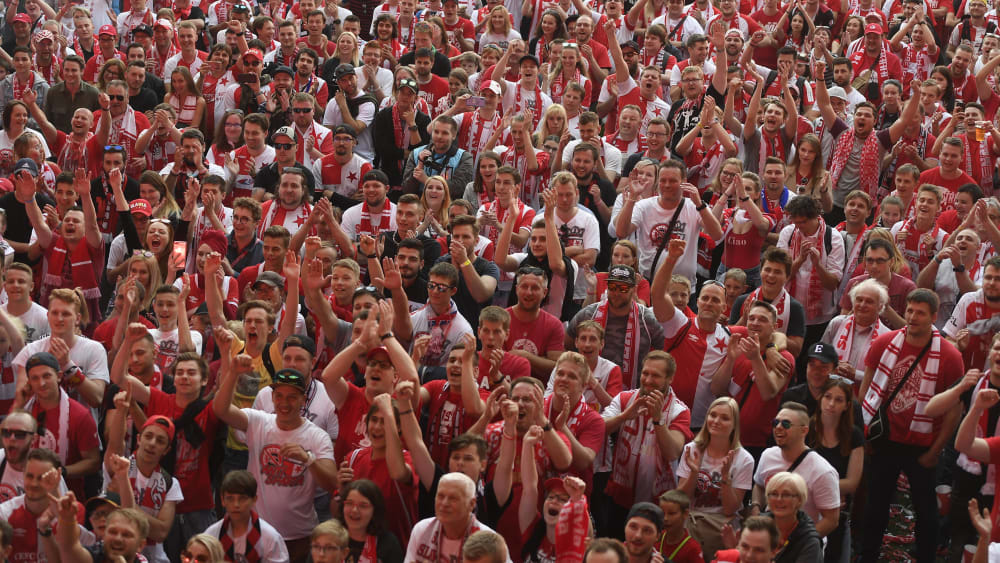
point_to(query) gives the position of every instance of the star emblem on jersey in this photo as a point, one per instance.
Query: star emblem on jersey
(301, 220)
(721, 345)
(352, 176)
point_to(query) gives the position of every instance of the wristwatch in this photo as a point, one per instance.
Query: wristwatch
(959, 268)
(701, 207)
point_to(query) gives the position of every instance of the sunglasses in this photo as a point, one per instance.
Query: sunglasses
(439, 287)
(784, 423)
(302, 110)
(116, 97)
(284, 146)
(113, 147)
(369, 289)
(187, 556)
(19, 434)
(290, 378)
(160, 220)
(619, 287)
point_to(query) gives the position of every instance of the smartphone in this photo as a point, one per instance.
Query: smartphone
(246, 78)
(179, 254)
(475, 101)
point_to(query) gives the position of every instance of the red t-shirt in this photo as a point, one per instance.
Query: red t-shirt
(948, 220)
(351, 419)
(933, 176)
(904, 405)
(767, 56)
(95, 153)
(511, 365)
(434, 90)
(544, 334)
(446, 418)
(400, 497)
(755, 413)
(687, 550)
(192, 468)
(81, 435)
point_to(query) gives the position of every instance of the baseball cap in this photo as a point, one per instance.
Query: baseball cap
(6, 185)
(272, 279)
(630, 44)
(374, 351)
(282, 69)
(108, 29)
(531, 58)
(838, 92)
(408, 83)
(345, 129)
(873, 28)
(107, 497)
(286, 130)
(302, 341)
(142, 28)
(163, 22)
(649, 511)
(26, 164)
(491, 86)
(44, 35)
(622, 273)
(290, 377)
(141, 207)
(253, 53)
(554, 484)
(342, 70)
(161, 421)
(23, 18)
(376, 175)
(824, 352)
(41, 359)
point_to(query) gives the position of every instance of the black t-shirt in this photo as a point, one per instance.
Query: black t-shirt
(838, 460)
(18, 225)
(432, 250)
(144, 101)
(268, 178)
(387, 549)
(467, 305)
(442, 66)
(417, 293)
(684, 119)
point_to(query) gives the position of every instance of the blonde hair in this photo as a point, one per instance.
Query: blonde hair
(211, 545)
(702, 439)
(155, 278)
(442, 214)
(73, 297)
(577, 359)
(793, 480)
(506, 19)
(354, 54)
(334, 529)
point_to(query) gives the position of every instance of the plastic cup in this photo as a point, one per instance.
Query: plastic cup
(980, 131)
(968, 553)
(943, 498)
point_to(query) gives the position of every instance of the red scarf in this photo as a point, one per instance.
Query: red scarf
(20, 88)
(51, 72)
(365, 225)
(78, 49)
(772, 145)
(922, 259)
(536, 116)
(780, 303)
(161, 60)
(814, 302)
(81, 266)
(253, 536)
(571, 531)
(472, 120)
(637, 445)
(630, 354)
(73, 153)
(985, 172)
(870, 165)
(369, 551)
(855, 251)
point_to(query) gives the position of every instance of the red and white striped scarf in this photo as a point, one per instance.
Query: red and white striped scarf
(536, 113)
(985, 173)
(473, 120)
(843, 340)
(869, 167)
(920, 424)
(814, 303)
(559, 84)
(430, 543)
(630, 354)
(365, 225)
(855, 251)
(782, 304)
(50, 73)
(82, 267)
(913, 248)
(20, 87)
(159, 61)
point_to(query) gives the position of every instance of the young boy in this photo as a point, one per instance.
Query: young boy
(241, 530)
(735, 282)
(173, 336)
(676, 544)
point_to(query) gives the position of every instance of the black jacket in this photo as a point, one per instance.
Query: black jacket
(389, 157)
(804, 545)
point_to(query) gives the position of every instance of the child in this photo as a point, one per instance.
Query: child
(735, 283)
(890, 212)
(239, 496)
(676, 544)
(680, 293)
(173, 335)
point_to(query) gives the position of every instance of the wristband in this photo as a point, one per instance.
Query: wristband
(937, 259)
(746, 198)
(547, 427)
(466, 263)
(701, 207)
(960, 268)
(413, 128)
(77, 376)
(386, 335)
(311, 460)
(657, 422)
(403, 413)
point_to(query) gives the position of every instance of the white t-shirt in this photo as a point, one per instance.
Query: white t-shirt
(706, 489)
(12, 481)
(36, 322)
(332, 117)
(87, 354)
(352, 218)
(611, 155)
(437, 355)
(319, 409)
(269, 546)
(168, 346)
(822, 480)
(154, 553)
(651, 221)
(383, 77)
(285, 488)
(833, 261)
(581, 230)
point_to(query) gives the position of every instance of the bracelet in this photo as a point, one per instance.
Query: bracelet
(412, 128)
(508, 437)
(960, 268)
(657, 422)
(937, 259)
(310, 460)
(387, 335)
(701, 207)
(405, 412)
(547, 427)
(466, 263)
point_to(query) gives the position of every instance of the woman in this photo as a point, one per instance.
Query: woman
(554, 123)
(798, 540)
(203, 548)
(329, 542)
(744, 228)
(639, 185)
(362, 512)
(436, 199)
(731, 170)
(212, 86)
(400, 73)
(458, 85)
(439, 38)
(569, 68)
(184, 96)
(550, 26)
(480, 191)
(835, 437)
(347, 49)
(942, 75)
(113, 69)
(854, 29)
(498, 30)
(15, 122)
(228, 137)
(387, 36)
(623, 252)
(153, 189)
(160, 241)
(793, 28)
(807, 175)
(715, 473)
(30, 145)
(142, 265)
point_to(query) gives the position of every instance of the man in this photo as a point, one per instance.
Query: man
(141, 98)
(579, 230)
(961, 73)
(304, 451)
(189, 164)
(651, 424)
(287, 50)
(745, 374)
(857, 209)
(19, 284)
(643, 526)
(775, 196)
(981, 155)
(596, 193)
(124, 535)
(339, 173)
(254, 155)
(422, 38)
(729, 18)
(23, 78)
(245, 249)
(817, 253)
(164, 47)
(778, 133)
(440, 317)
(291, 208)
(63, 99)
(314, 140)
(445, 534)
(688, 84)
(189, 56)
(137, 52)
(822, 362)
(930, 365)
(873, 65)
(853, 332)
(313, 23)
(877, 267)
(791, 425)
(477, 126)
(376, 214)
(298, 352)
(921, 53)
(583, 427)
(631, 329)
(32, 539)
(920, 238)
(243, 534)
(959, 272)
(18, 429)
(759, 542)
(479, 277)
(535, 334)
(353, 107)
(107, 43)
(677, 212)
(483, 546)
(274, 243)
(531, 164)
(971, 326)
(286, 150)
(949, 174)
(373, 78)
(126, 123)
(526, 93)
(440, 157)
(433, 88)
(46, 62)
(609, 162)
(593, 51)
(973, 28)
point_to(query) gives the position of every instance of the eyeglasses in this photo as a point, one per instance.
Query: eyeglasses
(836, 377)
(324, 549)
(302, 110)
(242, 219)
(784, 423)
(160, 220)
(439, 287)
(619, 287)
(116, 97)
(235, 125)
(655, 135)
(186, 556)
(782, 496)
(143, 253)
(284, 146)
(238, 112)
(18, 434)
(351, 505)
(343, 139)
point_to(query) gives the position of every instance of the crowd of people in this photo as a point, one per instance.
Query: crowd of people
(544, 280)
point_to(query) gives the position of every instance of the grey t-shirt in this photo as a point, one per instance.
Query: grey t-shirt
(850, 177)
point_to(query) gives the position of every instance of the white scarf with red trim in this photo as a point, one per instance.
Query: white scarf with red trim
(814, 303)
(782, 304)
(869, 166)
(985, 173)
(365, 224)
(843, 340)
(880, 386)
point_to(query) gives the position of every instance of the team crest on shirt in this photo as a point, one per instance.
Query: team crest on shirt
(659, 230)
(279, 470)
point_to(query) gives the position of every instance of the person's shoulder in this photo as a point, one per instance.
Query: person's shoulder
(883, 340)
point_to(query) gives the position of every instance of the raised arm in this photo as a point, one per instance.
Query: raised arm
(663, 307)
(50, 132)
(413, 434)
(983, 79)
(823, 95)
(966, 440)
(290, 269)
(621, 67)
(528, 508)
(396, 463)
(503, 477)
(500, 254)
(231, 369)
(553, 248)
(910, 114)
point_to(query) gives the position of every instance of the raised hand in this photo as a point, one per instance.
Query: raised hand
(391, 278)
(314, 278)
(290, 269)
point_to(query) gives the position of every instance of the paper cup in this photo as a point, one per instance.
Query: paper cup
(943, 498)
(968, 553)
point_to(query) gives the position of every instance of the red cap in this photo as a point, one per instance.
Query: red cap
(6, 185)
(554, 484)
(873, 28)
(108, 29)
(44, 35)
(161, 422)
(23, 18)
(491, 86)
(254, 53)
(141, 207)
(374, 351)
(163, 22)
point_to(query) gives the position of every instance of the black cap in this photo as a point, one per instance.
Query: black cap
(376, 175)
(824, 352)
(346, 129)
(202, 309)
(283, 69)
(302, 341)
(649, 511)
(26, 164)
(622, 273)
(531, 58)
(273, 279)
(107, 497)
(142, 28)
(290, 377)
(631, 44)
(241, 8)
(342, 70)
(41, 359)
